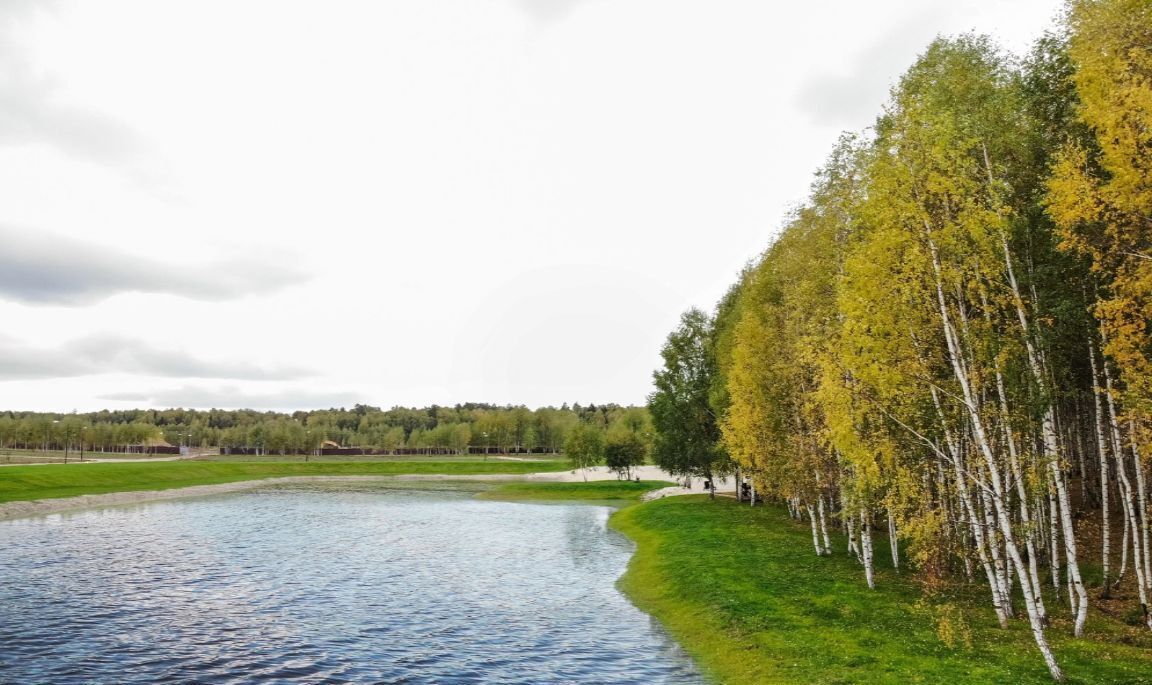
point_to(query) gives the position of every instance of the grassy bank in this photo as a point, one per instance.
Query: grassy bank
(743, 592)
(595, 490)
(51, 481)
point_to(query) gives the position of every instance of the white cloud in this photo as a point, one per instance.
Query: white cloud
(233, 397)
(104, 354)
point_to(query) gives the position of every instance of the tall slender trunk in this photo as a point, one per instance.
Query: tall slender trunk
(824, 526)
(866, 547)
(1127, 500)
(815, 534)
(893, 542)
(1000, 600)
(1003, 574)
(1051, 447)
(1030, 530)
(1105, 522)
(1054, 551)
(1142, 491)
(1123, 550)
(980, 436)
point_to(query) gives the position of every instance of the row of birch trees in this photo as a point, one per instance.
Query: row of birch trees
(948, 346)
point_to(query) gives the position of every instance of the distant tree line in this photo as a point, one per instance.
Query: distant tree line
(950, 343)
(463, 428)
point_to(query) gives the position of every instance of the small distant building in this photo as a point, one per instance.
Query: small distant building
(153, 446)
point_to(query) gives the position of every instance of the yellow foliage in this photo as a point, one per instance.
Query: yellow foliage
(1102, 199)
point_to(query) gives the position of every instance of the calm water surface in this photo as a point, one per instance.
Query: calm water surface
(325, 585)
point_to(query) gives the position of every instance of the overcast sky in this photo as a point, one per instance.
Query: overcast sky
(287, 205)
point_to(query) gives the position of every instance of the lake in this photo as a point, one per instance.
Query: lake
(325, 584)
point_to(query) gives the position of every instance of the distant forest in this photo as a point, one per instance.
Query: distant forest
(475, 427)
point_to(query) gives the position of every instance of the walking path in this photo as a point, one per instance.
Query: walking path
(12, 510)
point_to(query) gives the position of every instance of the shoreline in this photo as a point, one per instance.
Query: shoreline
(43, 507)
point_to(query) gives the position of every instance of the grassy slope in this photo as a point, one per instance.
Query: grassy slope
(743, 592)
(46, 482)
(595, 490)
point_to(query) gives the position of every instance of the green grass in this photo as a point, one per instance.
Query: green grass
(743, 592)
(360, 459)
(596, 490)
(52, 481)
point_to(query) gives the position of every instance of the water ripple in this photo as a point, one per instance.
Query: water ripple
(325, 585)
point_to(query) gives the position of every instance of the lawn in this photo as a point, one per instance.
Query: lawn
(52, 481)
(625, 490)
(742, 590)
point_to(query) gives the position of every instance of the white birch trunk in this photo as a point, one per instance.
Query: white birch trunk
(824, 527)
(1022, 494)
(1000, 603)
(1003, 575)
(1051, 449)
(1105, 523)
(1054, 551)
(980, 436)
(866, 546)
(1127, 500)
(1123, 550)
(1142, 500)
(893, 542)
(815, 535)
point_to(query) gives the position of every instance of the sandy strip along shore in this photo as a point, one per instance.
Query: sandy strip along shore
(40, 507)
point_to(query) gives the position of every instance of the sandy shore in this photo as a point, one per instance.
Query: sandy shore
(40, 507)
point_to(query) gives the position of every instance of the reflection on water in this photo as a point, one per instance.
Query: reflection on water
(325, 585)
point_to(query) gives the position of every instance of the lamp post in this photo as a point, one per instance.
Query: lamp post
(82, 429)
(54, 422)
(307, 445)
(485, 436)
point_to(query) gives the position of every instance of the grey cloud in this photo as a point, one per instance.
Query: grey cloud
(854, 96)
(230, 397)
(41, 268)
(547, 10)
(19, 363)
(116, 354)
(32, 113)
(29, 115)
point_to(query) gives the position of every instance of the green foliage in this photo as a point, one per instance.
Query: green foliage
(584, 446)
(687, 432)
(623, 451)
(430, 429)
